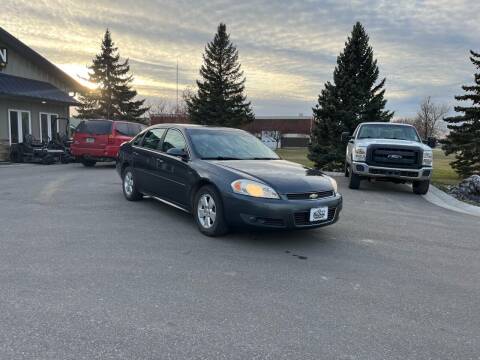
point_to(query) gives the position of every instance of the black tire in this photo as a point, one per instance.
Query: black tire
(347, 170)
(130, 191)
(88, 163)
(421, 187)
(16, 155)
(354, 182)
(217, 227)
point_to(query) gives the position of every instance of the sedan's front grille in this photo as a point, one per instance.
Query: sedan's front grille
(303, 218)
(310, 195)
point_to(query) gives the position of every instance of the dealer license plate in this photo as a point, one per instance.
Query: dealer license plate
(318, 214)
(90, 140)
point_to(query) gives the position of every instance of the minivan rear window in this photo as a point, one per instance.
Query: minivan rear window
(128, 129)
(95, 127)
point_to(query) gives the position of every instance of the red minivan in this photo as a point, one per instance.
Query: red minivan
(100, 140)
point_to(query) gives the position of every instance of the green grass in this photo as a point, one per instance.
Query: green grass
(443, 174)
(298, 155)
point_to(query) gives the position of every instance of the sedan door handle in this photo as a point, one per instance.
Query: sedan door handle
(159, 162)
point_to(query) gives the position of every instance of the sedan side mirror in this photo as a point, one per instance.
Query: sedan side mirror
(345, 136)
(181, 153)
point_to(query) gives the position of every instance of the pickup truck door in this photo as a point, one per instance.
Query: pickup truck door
(350, 145)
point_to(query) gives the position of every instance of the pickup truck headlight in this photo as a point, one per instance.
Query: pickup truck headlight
(254, 189)
(359, 153)
(427, 158)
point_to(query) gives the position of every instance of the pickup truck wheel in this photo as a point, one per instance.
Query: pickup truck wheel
(354, 182)
(421, 187)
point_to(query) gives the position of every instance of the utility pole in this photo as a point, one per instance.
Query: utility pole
(177, 87)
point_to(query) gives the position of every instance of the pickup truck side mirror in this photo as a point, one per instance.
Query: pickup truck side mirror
(181, 153)
(431, 141)
(345, 136)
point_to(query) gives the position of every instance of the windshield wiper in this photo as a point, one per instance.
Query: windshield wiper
(221, 158)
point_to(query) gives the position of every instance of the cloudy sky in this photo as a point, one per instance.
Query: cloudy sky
(287, 48)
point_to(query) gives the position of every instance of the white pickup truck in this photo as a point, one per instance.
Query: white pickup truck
(388, 152)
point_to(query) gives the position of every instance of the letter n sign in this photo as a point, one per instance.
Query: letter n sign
(3, 57)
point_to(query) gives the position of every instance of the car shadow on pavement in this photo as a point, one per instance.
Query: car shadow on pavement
(285, 240)
(384, 186)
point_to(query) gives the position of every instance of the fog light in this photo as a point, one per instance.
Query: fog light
(360, 168)
(426, 172)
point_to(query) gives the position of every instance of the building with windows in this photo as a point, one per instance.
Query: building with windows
(35, 95)
(282, 131)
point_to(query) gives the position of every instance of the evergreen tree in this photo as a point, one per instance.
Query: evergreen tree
(464, 137)
(354, 97)
(220, 99)
(114, 97)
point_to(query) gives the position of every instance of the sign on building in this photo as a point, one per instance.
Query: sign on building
(3, 57)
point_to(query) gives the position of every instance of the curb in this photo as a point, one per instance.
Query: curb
(446, 201)
(332, 173)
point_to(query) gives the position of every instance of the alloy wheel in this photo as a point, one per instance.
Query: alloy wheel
(206, 211)
(128, 183)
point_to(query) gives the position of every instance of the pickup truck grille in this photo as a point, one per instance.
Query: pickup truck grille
(394, 157)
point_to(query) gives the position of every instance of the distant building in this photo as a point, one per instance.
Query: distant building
(35, 95)
(282, 131)
(274, 131)
(169, 119)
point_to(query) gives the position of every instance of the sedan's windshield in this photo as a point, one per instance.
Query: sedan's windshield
(385, 131)
(229, 145)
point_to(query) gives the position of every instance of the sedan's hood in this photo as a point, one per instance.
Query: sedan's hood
(366, 142)
(284, 176)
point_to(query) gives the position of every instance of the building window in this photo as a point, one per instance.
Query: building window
(49, 126)
(19, 124)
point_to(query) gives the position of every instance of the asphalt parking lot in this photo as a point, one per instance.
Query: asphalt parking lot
(84, 274)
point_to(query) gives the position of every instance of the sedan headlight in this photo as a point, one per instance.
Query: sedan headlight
(253, 188)
(359, 153)
(427, 158)
(334, 184)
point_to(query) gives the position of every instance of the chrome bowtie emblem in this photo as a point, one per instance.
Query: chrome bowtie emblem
(394, 156)
(313, 196)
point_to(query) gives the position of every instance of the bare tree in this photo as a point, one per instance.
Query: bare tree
(428, 117)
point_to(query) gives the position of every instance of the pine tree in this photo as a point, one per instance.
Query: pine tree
(114, 97)
(354, 97)
(464, 137)
(220, 99)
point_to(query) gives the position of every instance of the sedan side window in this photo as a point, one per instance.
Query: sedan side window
(138, 140)
(152, 139)
(173, 139)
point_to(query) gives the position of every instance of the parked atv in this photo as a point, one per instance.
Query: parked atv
(32, 151)
(62, 142)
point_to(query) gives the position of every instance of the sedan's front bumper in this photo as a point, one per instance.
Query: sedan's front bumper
(282, 213)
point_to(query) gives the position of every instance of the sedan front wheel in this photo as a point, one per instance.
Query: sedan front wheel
(208, 212)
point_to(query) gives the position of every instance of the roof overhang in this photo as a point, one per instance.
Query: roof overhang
(15, 87)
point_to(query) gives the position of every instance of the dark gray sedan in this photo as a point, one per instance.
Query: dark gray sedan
(225, 177)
